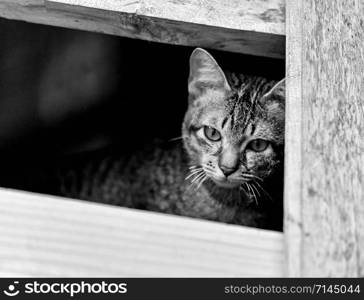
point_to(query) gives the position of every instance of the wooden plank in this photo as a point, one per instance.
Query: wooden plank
(330, 185)
(49, 236)
(252, 27)
(293, 139)
(256, 15)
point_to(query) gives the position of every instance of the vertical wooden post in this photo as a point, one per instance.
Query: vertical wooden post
(324, 179)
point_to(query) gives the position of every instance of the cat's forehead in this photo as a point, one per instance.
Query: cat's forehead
(239, 113)
(247, 117)
(227, 111)
(212, 115)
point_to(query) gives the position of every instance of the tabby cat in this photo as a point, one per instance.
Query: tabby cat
(227, 165)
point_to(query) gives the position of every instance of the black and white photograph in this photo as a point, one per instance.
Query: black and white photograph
(182, 139)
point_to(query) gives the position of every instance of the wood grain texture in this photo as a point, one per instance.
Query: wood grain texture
(293, 139)
(251, 27)
(47, 236)
(257, 15)
(331, 184)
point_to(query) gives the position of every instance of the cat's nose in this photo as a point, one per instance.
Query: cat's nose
(227, 171)
(229, 160)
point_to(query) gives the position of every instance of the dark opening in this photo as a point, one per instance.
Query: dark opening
(66, 93)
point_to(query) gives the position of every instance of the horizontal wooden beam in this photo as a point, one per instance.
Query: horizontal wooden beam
(252, 27)
(47, 236)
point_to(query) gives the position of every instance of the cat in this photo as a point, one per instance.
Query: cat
(227, 165)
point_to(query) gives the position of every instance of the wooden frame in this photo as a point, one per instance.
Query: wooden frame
(324, 193)
(260, 30)
(44, 236)
(324, 216)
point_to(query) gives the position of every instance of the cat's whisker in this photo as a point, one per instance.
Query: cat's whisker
(176, 139)
(246, 175)
(197, 180)
(255, 196)
(193, 173)
(263, 190)
(198, 177)
(251, 192)
(258, 178)
(194, 167)
(260, 187)
(245, 189)
(248, 187)
(196, 170)
(201, 182)
(255, 188)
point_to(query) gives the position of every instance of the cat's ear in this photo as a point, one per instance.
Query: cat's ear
(273, 102)
(277, 92)
(205, 73)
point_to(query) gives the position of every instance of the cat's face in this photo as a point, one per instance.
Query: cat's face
(232, 135)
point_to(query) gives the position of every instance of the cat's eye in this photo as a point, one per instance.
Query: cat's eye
(212, 134)
(258, 145)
